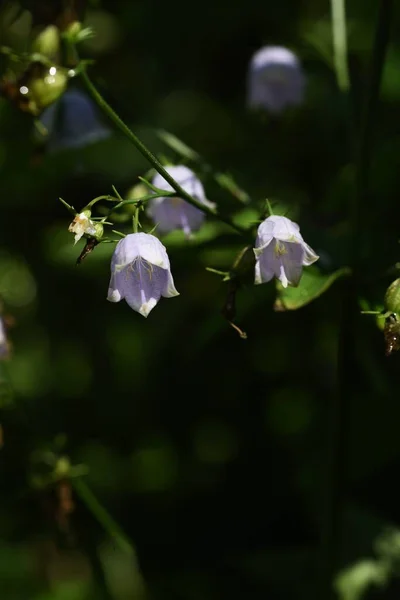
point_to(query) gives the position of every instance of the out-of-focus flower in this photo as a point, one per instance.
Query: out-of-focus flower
(4, 345)
(281, 252)
(37, 88)
(83, 225)
(140, 273)
(47, 42)
(275, 79)
(174, 213)
(72, 122)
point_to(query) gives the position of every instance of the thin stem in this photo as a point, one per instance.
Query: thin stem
(225, 180)
(141, 199)
(151, 158)
(360, 221)
(102, 515)
(136, 220)
(107, 197)
(362, 214)
(339, 36)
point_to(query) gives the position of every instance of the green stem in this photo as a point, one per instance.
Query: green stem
(361, 223)
(363, 215)
(101, 587)
(98, 98)
(141, 199)
(136, 220)
(339, 36)
(102, 515)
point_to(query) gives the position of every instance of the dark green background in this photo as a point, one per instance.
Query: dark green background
(212, 453)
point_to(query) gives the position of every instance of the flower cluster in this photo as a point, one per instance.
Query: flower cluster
(140, 267)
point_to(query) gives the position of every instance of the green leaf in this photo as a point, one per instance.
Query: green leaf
(312, 285)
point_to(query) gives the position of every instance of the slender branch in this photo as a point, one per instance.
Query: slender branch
(363, 214)
(339, 36)
(102, 515)
(98, 98)
(136, 220)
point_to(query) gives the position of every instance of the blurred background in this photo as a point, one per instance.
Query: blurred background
(212, 453)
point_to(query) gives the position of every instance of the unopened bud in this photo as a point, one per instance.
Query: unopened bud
(46, 89)
(47, 42)
(392, 297)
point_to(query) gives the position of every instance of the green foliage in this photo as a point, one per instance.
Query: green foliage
(313, 283)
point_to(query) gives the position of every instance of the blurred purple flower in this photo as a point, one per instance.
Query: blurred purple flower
(140, 273)
(275, 79)
(4, 345)
(281, 252)
(174, 213)
(72, 122)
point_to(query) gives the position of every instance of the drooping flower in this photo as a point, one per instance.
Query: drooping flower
(82, 224)
(275, 79)
(140, 273)
(281, 252)
(72, 122)
(174, 213)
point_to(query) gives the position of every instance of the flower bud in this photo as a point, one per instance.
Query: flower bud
(98, 231)
(47, 42)
(73, 29)
(392, 297)
(134, 193)
(45, 90)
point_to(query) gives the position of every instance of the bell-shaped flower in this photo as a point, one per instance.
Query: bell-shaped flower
(171, 213)
(82, 225)
(140, 273)
(72, 122)
(275, 79)
(281, 252)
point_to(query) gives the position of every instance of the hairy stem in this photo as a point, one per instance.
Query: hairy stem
(152, 159)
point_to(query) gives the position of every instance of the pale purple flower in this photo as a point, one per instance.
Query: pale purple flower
(281, 252)
(73, 122)
(275, 79)
(140, 273)
(174, 213)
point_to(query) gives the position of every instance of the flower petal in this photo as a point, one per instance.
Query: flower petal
(143, 285)
(291, 264)
(310, 256)
(285, 230)
(115, 288)
(174, 213)
(186, 179)
(267, 265)
(265, 234)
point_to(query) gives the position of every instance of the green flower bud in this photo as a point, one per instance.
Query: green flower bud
(99, 231)
(74, 29)
(392, 297)
(47, 42)
(45, 90)
(134, 193)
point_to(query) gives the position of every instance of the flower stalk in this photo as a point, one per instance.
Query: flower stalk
(152, 159)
